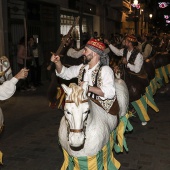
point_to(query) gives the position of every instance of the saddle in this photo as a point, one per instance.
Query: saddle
(114, 110)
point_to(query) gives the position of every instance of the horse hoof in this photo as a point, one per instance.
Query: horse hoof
(144, 123)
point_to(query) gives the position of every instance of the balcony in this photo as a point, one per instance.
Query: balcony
(121, 4)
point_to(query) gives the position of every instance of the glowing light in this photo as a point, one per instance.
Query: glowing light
(135, 4)
(166, 16)
(150, 16)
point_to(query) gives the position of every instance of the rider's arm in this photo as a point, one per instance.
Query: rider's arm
(107, 89)
(108, 84)
(116, 50)
(7, 89)
(69, 73)
(64, 72)
(96, 90)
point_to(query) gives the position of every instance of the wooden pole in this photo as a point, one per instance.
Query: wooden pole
(25, 32)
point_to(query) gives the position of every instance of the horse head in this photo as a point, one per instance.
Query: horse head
(76, 111)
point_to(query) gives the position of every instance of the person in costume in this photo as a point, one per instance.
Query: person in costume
(8, 88)
(132, 58)
(69, 56)
(156, 40)
(132, 69)
(164, 42)
(146, 48)
(99, 77)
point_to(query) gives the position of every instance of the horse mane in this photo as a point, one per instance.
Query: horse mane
(77, 93)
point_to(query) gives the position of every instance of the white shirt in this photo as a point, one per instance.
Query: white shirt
(107, 76)
(7, 89)
(138, 61)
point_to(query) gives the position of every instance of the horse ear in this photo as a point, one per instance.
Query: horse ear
(85, 88)
(66, 89)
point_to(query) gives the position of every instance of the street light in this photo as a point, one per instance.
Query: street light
(142, 19)
(136, 5)
(135, 2)
(150, 16)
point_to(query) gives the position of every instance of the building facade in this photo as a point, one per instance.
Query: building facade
(47, 19)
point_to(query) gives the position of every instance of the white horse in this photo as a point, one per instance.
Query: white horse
(5, 74)
(85, 127)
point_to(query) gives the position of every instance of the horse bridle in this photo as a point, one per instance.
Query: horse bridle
(85, 121)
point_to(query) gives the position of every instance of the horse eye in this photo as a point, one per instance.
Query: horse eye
(87, 112)
(67, 112)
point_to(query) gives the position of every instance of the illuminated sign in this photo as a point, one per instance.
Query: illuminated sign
(166, 16)
(136, 6)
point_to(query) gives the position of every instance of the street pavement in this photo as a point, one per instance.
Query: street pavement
(30, 137)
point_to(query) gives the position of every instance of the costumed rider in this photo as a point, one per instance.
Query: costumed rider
(132, 58)
(8, 88)
(96, 72)
(132, 67)
(146, 48)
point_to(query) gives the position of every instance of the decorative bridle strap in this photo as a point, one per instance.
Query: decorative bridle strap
(71, 101)
(76, 130)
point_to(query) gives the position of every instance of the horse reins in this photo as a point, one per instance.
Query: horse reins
(71, 101)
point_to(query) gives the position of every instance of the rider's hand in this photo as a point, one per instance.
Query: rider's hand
(106, 41)
(23, 73)
(55, 58)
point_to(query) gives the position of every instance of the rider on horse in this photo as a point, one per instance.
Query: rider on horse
(100, 78)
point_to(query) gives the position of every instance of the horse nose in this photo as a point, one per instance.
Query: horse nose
(76, 139)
